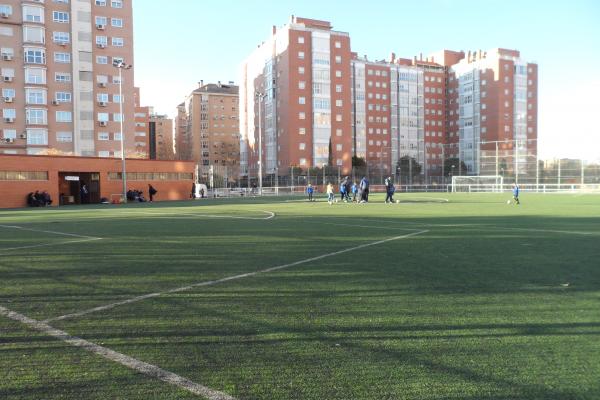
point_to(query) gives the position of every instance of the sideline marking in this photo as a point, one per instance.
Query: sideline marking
(369, 226)
(271, 215)
(137, 365)
(227, 279)
(84, 238)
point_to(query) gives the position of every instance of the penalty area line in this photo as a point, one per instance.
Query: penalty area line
(229, 278)
(137, 365)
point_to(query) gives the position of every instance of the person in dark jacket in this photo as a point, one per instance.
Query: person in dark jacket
(309, 191)
(151, 192)
(389, 190)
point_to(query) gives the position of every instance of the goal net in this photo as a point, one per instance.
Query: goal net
(491, 183)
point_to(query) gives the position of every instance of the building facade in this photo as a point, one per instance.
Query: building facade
(160, 134)
(60, 90)
(208, 128)
(321, 104)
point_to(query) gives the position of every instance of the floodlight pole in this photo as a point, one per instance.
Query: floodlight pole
(260, 97)
(120, 65)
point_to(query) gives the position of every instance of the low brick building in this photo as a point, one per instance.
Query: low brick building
(62, 178)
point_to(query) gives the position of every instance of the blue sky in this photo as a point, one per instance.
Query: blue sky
(207, 39)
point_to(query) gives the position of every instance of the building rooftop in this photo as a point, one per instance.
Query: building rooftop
(218, 88)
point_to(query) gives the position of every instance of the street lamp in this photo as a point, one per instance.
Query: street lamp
(260, 96)
(120, 64)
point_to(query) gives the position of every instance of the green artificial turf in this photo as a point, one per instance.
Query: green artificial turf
(493, 301)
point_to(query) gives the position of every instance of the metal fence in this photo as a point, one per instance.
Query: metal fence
(513, 161)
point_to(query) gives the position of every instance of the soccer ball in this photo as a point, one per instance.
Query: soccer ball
(507, 201)
(336, 200)
(397, 201)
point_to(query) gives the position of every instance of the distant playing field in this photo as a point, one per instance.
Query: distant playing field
(443, 296)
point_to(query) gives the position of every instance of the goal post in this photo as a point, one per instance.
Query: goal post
(486, 183)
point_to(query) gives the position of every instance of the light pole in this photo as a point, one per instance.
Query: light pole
(260, 97)
(120, 64)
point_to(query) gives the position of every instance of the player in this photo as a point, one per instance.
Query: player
(309, 191)
(329, 193)
(516, 193)
(389, 190)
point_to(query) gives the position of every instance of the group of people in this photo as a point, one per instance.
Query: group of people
(39, 199)
(138, 195)
(359, 192)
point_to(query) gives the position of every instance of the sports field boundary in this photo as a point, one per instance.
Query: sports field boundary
(228, 278)
(137, 365)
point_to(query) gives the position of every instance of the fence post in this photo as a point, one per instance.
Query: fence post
(292, 183)
(558, 188)
(582, 174)
(537, 174)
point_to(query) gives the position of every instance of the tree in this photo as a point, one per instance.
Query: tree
(358, 161)
(330, 157)
(408, 164)
(454, 161)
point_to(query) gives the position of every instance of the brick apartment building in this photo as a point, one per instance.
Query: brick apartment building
(60, 90)
(207, 127)
(322, 104)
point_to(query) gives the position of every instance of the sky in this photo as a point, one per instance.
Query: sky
(178, 45)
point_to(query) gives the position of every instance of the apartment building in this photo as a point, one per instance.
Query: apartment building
(320, 104)
(60, 90)
(160, 135)
(301, 80)
(208, 127)
(495, 110)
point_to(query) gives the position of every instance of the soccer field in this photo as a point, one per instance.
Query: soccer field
(443, 296)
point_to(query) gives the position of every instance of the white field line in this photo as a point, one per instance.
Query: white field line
(140, 366)
(422, 225)
(369, 226)
(438, 199)
(270, 215)
(227, 279)
(83, 239)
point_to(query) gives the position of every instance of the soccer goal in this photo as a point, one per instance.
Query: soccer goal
(490, 183)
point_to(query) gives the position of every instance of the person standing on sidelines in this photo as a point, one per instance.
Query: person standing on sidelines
(330, 197)
(309, 191)
(151, 192)
(516, 193)
(389, 190)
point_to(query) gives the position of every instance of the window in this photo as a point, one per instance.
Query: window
(63, 97)
(302, 146)
(101, 59)
(37, 137)
(338, 88)
(303, 161)
(302, 131)
(34, 56)
(338, 74)
(64, 116)
(101, 21)
(116, 3)
(8, 93)
(8, 72)
(338, 45)
(5, 9)
(301, 70)
(62, 77)
(301, 39)
(102, 97)
(301, 55)
(64, 137)
(9, 113)
(116, 98)
(61, 37)
(116, 22)
(6, 31)
(338, 59)
(36, 116)
(33, 14)
(118, 42)
(117, 136)
(63, 58)
(117, 117)
(101, 40)
(33, 34)
(103, 136)
(10, 134)
(101, 3)
(301, 100)
(60, 16)
(338, 103)
(35, 96)
(301, 115)
(103, 117)
(35, 76)
(301, 85)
